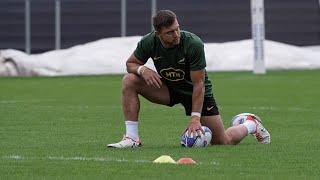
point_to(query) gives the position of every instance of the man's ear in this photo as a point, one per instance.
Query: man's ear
(157, 33)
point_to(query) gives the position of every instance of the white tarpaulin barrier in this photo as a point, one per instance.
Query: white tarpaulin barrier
(108, 56)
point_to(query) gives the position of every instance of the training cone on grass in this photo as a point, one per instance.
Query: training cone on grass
(164, 159)
(186, 161)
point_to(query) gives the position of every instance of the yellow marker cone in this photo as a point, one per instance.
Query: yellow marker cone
(164, 159)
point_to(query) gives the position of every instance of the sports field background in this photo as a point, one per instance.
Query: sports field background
(57, 128)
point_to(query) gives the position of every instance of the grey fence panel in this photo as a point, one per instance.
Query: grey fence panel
(293, 21)
(12, 24)
(290, 21)
(84, 21)
(139, 17)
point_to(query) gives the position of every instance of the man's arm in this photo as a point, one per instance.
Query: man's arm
(197, 78)
(133, 64)
(152, 78)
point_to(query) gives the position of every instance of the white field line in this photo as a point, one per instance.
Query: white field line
(94, 159)
(25, 101)
(76, 158)
(272, 108)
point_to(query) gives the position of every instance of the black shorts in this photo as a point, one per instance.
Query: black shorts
(209, 107)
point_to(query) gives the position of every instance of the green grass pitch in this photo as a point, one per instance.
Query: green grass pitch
(57, 128)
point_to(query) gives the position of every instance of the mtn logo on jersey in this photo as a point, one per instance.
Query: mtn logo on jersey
(172, 74)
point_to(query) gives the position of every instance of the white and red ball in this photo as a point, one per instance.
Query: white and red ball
(200, 140)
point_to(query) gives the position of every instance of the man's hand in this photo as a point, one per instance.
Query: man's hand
(151, 77)
(194, 127)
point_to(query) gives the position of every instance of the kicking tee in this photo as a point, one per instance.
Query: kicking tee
(174, 64)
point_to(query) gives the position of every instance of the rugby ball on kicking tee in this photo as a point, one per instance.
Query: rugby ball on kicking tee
(198, 140)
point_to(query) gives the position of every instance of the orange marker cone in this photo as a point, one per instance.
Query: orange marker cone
(186, 161)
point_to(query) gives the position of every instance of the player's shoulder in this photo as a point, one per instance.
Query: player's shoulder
(191, 39)
(149, 38)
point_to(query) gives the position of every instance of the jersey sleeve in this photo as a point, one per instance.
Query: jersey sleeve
(144, 49)
(196, 55)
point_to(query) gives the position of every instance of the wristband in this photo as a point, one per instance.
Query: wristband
(196, 114)
(139, 70)
(143, 69)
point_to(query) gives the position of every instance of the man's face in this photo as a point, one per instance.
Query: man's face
(170, 36)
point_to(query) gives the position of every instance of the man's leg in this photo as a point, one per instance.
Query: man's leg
(232, 135)
(253, 123)
(132, 86)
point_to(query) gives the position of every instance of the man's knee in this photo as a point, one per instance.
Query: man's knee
(130, 80)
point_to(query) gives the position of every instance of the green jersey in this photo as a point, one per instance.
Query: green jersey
(174, 64)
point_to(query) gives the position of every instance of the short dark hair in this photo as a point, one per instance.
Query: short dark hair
(163, 18)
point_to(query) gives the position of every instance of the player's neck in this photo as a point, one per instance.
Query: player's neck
(166, 45)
